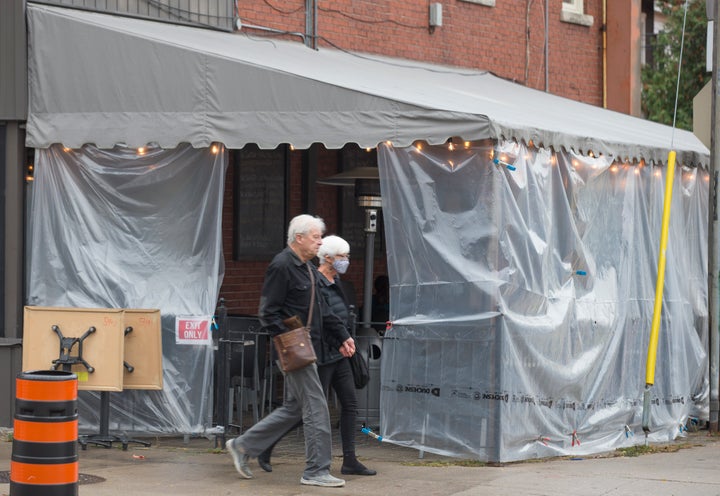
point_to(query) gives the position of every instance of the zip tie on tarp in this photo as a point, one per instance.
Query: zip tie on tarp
(213, 324)
(500, 162)
(628, 431)
(369, 432)
(581, 272)
(683, 428)
(543, 440)
(575, 439)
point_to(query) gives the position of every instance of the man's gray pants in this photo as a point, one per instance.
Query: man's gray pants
(304, 398)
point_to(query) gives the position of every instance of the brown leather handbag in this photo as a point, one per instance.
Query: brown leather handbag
(294, 347)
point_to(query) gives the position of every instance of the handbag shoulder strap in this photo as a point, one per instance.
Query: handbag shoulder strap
(312, 294)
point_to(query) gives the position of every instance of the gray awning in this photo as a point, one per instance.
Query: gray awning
(102, 79)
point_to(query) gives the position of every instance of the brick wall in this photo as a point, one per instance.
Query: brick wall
(507, 40)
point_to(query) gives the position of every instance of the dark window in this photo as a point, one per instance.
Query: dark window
(259, 202)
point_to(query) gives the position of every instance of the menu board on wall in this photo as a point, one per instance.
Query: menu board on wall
(259, 203)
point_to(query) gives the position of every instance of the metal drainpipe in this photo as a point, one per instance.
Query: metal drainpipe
(311, 23)
(547, 49)
(315, 23)
(713, 245)
(604, 53)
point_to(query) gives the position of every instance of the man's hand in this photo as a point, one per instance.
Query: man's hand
(348, 348)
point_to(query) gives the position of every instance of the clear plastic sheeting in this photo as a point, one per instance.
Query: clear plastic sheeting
(522, 291)
(127, 228)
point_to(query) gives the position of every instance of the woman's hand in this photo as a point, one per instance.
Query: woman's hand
(348, 348)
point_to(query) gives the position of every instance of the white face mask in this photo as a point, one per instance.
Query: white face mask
(341, 265)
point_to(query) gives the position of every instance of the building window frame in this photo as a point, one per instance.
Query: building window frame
(486, 3)
(573, 11)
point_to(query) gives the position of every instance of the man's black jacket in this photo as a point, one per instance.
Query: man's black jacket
(286, 292)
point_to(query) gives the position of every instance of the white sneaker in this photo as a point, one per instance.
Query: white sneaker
(240, 459)
(325, 480)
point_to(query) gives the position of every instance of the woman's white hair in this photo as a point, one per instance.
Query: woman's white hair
(331, 246)
(303, 224)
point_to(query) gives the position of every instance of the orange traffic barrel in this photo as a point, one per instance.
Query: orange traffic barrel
(44, 452)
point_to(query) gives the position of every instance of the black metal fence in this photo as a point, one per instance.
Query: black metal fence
(217, 14)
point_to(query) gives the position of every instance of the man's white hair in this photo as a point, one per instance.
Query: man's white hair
(333, 245)
(303, 224)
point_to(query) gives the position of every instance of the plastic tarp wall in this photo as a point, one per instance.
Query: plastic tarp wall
(119, 229)
(522, 290)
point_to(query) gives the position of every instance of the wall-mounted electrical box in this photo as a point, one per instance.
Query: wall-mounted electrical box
(435, 14)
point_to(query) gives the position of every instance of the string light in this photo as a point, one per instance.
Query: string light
(141, 150)
(467, 144)
(214, 149)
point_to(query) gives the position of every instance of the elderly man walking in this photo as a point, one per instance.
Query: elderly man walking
(287, 291)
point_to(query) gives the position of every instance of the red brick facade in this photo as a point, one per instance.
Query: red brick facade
(507, 40)
(471, 35)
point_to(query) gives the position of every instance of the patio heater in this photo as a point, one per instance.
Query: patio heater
(366, 182)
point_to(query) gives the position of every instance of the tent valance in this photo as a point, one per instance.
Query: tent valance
(107, 80)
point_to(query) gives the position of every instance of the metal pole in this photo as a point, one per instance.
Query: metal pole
(713, 304)
(309, 35)
(223, 385)
(547, 46)
(370, 230)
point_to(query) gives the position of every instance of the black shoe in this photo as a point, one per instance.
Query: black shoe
(264, 462)
(356, 469)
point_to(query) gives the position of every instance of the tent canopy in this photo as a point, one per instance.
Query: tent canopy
(107, 80)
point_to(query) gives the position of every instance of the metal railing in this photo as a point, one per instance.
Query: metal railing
(215, 14)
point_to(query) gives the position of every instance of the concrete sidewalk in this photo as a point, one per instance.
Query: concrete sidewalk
(170, 467)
